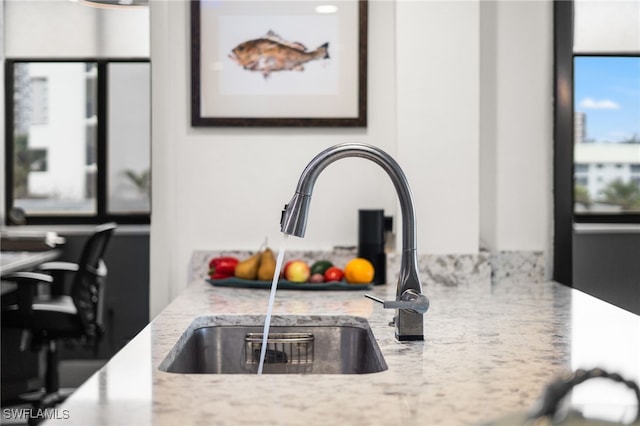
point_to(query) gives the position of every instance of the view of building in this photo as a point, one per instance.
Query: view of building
(54, 115)
(55, 134)
(598, 164)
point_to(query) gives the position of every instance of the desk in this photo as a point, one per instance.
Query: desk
(14, 261)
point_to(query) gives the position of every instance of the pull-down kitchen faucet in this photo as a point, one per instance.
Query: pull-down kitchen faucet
(410, 303)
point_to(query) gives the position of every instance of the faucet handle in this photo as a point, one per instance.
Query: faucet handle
(410, 300)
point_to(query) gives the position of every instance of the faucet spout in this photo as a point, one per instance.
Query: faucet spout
(409, 320)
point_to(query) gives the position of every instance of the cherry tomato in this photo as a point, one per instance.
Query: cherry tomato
(333, 274)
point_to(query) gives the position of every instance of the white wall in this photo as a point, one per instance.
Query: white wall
(224, 188)
(437, 53)
(516, 125)
(64, 29)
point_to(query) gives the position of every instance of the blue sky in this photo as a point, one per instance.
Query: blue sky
(607, 90)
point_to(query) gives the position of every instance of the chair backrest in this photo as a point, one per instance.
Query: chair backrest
(88, 283)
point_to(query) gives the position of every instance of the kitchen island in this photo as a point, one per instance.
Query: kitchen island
(489, 350)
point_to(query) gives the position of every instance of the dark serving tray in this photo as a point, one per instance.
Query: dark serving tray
(288, 285)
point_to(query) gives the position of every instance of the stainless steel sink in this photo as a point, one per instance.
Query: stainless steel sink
(296, 345)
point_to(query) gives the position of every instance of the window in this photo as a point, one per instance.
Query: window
(597, 61)
(589, 36)
(78, 140)
(607, 99)
(37, 160)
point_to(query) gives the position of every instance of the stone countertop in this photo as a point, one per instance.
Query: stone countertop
(489, 350)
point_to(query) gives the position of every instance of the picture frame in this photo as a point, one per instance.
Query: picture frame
(250, 65)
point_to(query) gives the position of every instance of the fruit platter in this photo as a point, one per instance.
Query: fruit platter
(287, 285)
(259, 270)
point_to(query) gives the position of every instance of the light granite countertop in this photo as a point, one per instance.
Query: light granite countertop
(489, 350)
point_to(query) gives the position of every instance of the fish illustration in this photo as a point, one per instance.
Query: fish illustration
(271, 53)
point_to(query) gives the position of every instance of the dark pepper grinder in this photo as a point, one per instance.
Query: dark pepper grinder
(371, 229)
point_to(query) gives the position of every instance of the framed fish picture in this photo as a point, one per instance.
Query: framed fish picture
(284, 63)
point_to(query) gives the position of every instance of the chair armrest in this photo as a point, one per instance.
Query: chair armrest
(26, 287)
(59, 266)
(61, 272)
(30, 278)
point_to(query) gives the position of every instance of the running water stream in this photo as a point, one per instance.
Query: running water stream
(272, 298)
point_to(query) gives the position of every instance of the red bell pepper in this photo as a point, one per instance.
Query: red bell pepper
(222, 267)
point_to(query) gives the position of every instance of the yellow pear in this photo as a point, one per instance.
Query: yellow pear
(248, 268)
(267, 265)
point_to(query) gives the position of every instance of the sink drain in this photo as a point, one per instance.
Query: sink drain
(282, 348)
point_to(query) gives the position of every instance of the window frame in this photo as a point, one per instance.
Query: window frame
(564, 56)
(563, 119)
(101, 215)
(564, 214)
(616, 218)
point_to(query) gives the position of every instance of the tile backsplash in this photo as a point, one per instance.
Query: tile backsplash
(448, 270)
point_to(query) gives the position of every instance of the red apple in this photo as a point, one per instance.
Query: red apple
(297, 271)
(284, 269)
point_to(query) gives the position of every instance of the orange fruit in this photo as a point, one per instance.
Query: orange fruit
(359, 271)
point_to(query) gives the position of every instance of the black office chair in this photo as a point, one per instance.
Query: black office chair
(64, 314)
